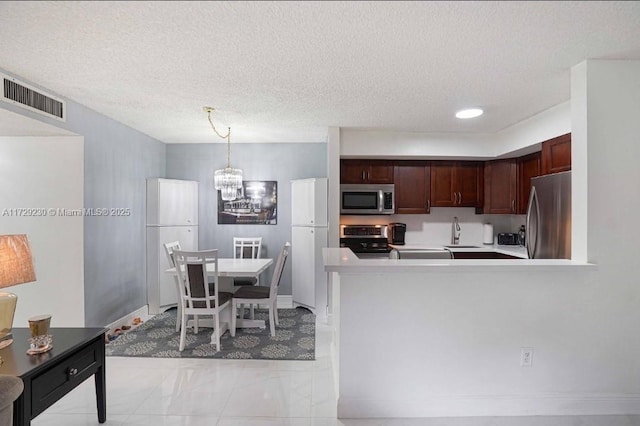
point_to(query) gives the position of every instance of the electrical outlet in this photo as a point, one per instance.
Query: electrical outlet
(526, 357)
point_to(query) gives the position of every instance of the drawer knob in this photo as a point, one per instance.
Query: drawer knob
(73, 371)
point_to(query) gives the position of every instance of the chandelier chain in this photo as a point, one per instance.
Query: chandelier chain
(227, 136)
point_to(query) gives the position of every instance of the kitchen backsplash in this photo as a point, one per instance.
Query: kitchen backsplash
(435, 228)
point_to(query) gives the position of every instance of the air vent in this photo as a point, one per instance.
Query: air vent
(25, 96)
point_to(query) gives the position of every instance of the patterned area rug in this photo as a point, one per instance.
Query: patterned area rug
(294, 339)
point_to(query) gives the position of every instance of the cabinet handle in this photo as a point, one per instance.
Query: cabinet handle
(428, 205)
(363, 175)
(73, 372)
(513, 206)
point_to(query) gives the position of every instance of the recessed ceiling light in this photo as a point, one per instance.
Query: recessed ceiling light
(469, 113)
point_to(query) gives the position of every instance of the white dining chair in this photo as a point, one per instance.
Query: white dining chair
(246, 248)
(197, 299)
(262, 294)
(169, 248)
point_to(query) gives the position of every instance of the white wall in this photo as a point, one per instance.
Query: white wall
(46, 172)
(519, 139)
(333, 169)
(450, 345)
(398, 145)
(527, 134)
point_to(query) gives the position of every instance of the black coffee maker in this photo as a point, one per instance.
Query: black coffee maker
(397, 231)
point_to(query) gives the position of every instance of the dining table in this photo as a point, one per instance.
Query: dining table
(228, 269)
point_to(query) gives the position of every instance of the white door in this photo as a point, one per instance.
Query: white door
(302, 266)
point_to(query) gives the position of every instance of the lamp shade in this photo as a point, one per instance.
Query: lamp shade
(16, 263)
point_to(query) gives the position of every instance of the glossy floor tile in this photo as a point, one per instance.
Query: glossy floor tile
(206, 392)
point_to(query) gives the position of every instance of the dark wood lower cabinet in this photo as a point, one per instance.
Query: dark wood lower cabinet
(482, 255)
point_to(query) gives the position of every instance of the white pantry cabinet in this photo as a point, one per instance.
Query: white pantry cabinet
(172, 202)
(309, 281)
(308, 238)
(172, 215)
(161, 288)
(309, 202)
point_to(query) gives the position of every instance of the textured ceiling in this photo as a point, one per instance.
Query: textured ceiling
(285, 71)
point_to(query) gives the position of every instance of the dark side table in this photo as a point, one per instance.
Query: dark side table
(77, 354)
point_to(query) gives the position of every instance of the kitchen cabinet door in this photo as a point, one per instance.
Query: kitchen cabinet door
(412, 187)
(468, 181)
(556, 155)
(456, 184)
(161, 288)
(172, 202)
(309, 202)
(308, 278)
(500, 187)
(442, 184)
(366, 171)
(528, 167)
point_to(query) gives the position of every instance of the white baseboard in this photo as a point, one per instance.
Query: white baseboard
(285, 301)
(498, 405)
(142, 312)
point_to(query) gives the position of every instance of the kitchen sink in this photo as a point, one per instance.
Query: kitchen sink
(460, 246)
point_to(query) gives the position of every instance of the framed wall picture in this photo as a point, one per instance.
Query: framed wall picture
(256, 204)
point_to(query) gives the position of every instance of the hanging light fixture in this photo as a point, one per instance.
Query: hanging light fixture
(228, 180)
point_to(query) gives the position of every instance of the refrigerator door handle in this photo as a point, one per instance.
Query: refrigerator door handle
(532, 237)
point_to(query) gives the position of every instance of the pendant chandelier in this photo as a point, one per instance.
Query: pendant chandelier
(228, 180)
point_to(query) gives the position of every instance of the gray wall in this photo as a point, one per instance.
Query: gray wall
(279, 162)
(117, 161)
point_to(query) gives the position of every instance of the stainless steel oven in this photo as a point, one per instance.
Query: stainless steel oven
(366, 241)
(367, 199)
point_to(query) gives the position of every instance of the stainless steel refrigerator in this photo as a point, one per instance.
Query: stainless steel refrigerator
(549, 217)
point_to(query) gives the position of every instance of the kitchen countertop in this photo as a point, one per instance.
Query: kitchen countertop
(517, 251)
(343, 260)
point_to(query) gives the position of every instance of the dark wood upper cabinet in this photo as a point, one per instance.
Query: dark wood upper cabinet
(556, 155)
(412, 187)
(500, 187)
(456, 184)
(366, 171)
(528, 167)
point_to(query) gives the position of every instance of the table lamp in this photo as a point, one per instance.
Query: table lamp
(16, 267)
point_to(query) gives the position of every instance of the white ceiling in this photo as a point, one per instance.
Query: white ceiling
(285, 71)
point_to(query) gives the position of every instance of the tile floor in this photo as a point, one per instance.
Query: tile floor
(199, 392)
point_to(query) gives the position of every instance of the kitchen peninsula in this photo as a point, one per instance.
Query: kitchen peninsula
(425, 338)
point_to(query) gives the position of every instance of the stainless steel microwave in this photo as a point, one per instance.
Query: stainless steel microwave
(367, 199)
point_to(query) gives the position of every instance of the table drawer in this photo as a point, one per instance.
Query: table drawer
(65, 375)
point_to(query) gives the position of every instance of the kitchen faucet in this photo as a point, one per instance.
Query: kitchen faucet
(455, 231)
